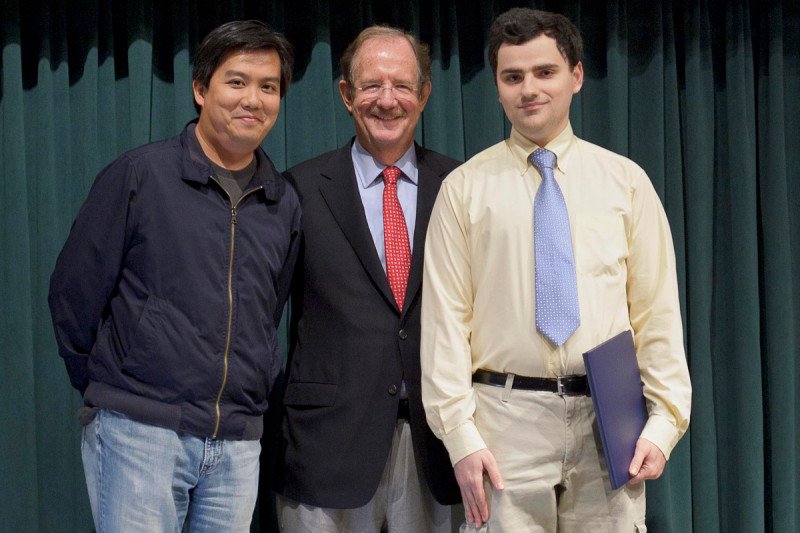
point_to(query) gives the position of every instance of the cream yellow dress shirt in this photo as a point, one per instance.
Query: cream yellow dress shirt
(478, 306)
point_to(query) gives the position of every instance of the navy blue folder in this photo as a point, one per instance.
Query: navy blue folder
(616, 387)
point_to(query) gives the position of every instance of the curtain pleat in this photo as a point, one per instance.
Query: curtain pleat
(777, 40)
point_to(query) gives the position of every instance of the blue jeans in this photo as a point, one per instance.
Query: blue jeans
(146, 478)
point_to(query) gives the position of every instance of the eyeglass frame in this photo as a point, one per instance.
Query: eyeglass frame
(376, 90)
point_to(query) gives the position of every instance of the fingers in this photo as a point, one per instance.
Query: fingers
(638, 459)
(490, 466)
(474, 499)
(648, 462)
(469, 474)
(471, 509)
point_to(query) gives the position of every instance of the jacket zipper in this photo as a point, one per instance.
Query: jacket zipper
(230, 313)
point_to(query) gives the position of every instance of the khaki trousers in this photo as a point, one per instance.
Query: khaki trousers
(552, 465)
(401, 504)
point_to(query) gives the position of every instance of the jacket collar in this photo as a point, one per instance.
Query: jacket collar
(266, 177)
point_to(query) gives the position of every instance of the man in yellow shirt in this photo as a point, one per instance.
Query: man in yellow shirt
(489, 303)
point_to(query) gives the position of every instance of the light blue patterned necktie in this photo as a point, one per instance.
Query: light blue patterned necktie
(557, 311)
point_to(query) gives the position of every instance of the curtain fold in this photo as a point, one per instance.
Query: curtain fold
(697, 143)
(777, 35)
(735, 327)
(703, 94)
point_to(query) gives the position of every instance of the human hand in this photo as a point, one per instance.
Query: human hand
(469, 474)
(648, 462)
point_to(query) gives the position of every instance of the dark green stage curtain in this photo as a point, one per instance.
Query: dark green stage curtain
(703, 94)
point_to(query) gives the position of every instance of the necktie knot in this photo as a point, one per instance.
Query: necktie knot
(543, 159)
(391, 175)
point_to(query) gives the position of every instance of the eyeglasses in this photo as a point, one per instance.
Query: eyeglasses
(401, 90)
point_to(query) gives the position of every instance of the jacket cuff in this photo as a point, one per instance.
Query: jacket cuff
(78, 371)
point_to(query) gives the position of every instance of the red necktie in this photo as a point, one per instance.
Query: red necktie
(395, 236)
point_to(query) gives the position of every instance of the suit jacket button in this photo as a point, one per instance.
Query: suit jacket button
(392, 389)
(403, 334)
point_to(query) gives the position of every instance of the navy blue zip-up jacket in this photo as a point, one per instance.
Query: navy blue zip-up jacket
(166, 298)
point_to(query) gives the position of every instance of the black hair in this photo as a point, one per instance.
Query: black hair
(237, 36)
(519, 25)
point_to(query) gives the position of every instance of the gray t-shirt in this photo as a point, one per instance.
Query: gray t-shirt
(234, 182)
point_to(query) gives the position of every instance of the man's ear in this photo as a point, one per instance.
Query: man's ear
(424, 94)
(344, 91)
(199, 91)
(577, 78)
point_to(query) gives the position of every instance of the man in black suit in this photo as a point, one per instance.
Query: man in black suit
(359, 455)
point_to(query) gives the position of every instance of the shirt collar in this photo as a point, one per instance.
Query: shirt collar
(521, 148)
(368, 169)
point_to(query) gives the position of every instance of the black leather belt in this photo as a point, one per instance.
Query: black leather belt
(563, 385)
(402, 410)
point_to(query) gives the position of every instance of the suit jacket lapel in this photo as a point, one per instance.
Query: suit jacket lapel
(341, 195)
(427, 189)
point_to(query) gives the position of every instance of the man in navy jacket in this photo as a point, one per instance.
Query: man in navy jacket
(167, 296)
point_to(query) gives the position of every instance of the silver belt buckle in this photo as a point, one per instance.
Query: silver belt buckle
(559, 386)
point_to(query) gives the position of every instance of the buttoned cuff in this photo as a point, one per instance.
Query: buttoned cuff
(462, 441)
(662, 433)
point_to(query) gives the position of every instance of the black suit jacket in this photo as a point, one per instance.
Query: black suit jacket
(351, 345)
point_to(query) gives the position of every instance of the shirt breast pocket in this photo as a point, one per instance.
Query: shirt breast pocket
(601, 244)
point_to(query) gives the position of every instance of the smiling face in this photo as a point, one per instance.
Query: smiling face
(385, 118)
(239, 106)
(535, 86)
